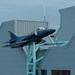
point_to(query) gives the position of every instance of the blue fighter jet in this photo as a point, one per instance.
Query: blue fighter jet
(36, 36)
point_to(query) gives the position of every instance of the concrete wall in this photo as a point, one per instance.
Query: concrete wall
(67, 22)
(60, 58)
(12, 61)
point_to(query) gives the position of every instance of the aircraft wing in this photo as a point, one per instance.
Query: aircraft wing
(15, 44)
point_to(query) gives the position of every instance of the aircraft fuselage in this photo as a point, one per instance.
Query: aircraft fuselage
(36, 36)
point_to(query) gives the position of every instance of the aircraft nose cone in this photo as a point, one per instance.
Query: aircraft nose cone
(51, 30)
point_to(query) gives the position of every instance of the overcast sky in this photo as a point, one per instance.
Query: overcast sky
(33, 10)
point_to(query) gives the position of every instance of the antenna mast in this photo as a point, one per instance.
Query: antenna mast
(44, 13)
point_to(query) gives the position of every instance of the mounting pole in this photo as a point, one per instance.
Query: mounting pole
(31, 59)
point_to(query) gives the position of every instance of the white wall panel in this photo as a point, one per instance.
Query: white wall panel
(25, 27)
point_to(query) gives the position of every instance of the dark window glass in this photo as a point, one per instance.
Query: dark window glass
(60, 72)
(43, 72)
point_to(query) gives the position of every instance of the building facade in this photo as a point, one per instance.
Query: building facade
(14, 61)
(67, 22)
(60, 60)
(57, 60)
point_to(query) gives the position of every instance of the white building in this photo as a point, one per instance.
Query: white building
(60, 60)
(13, 61)
(57, 60)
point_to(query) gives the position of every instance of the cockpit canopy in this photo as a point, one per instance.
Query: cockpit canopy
(41, 28)
(38, 30)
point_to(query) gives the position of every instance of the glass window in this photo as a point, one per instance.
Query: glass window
(43, 72)
(60, 72)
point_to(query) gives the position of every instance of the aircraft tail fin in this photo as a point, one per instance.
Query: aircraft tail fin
(13, 36)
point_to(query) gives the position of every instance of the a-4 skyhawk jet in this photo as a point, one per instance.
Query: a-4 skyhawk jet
(36, 36)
